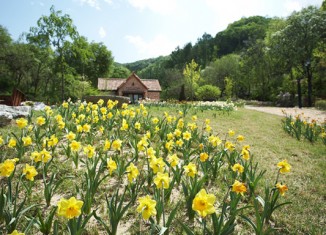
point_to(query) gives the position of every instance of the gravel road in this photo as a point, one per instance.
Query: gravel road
(306, 113)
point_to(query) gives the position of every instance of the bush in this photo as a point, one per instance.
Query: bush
(320, 104)
(208, 93)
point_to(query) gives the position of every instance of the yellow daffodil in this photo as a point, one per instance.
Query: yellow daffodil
(245, 154)
(177, 133)
(107, 145)
(284, 166)
(146, 207)
(240, 138)
(137, 126)
(48, 111)
(124, 106)
(148, 134)
(7, 167)
(124, 125)
(111, 165)
(100, 102)
(15, 232)
(89, 150)
(29, 172)
(231, 133)
(169, 136)
(203, 203)
(192, 126)
(150, 152)
(237, 167)
(58, 118)
(203, 157)
(1, 140)
(65, 104)
(162, 180)
(52, 141)
(201, 146)
(194, 118)
(208, 128)
(40, 121)
(116, 145)
(239, 187)
(70, 208)
(44, 156)
(190, 170)
(79, 128)
(155, 120)
(157, 164)
(229, 146)
(186, 135)
(282, 188)
(71, 136)
(74, 145)
(61, 125)
(27, 140)
(173, 160)
(180, 124)
(21, 122)
(179, 143)
(214, 140)
(132, 172)
(169, 145)
(12, 143)
(86, 128)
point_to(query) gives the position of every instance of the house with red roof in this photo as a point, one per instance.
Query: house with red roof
(133, 87)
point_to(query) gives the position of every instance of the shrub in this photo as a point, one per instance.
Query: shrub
(320, 104)
(208, 92)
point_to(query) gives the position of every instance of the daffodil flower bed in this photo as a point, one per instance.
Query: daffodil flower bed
(82, 162)
(299, 126)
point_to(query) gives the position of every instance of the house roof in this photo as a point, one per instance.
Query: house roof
(113, 84)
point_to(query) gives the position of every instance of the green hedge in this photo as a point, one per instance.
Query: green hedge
(320, 104)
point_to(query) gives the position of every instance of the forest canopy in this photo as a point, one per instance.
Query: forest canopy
(261, 58)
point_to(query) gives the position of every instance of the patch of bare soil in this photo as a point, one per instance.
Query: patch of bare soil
(308, 114)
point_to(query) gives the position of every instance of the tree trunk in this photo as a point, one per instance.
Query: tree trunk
(309, 75)
(299, 93)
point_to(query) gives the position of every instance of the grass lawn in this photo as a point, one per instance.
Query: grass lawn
(269, 144)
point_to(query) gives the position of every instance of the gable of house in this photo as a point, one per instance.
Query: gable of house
(133, 86)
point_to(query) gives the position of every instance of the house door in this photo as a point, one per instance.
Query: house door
(134, 98)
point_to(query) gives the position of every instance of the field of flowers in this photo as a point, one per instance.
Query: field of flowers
(98, 169)
(300, 127)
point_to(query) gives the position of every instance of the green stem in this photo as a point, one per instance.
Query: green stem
(204, 226)
(163, 204)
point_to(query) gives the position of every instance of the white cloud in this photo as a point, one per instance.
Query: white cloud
(159, 45)
(110, 2)
(291, 6)
(158, 6)
(102, 32)
(91, 3)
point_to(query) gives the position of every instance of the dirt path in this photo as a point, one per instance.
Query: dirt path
(306, 113)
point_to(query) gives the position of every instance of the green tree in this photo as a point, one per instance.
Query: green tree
(55, 30)
(5, 46)
(192, 76)
(101, 65)
(227, 66)
(297, 42)
(119, 71)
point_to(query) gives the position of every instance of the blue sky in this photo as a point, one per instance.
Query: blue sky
(141, 29)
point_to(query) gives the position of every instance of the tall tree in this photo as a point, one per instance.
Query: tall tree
(55, 30)
(297, 42)
(192, 76)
